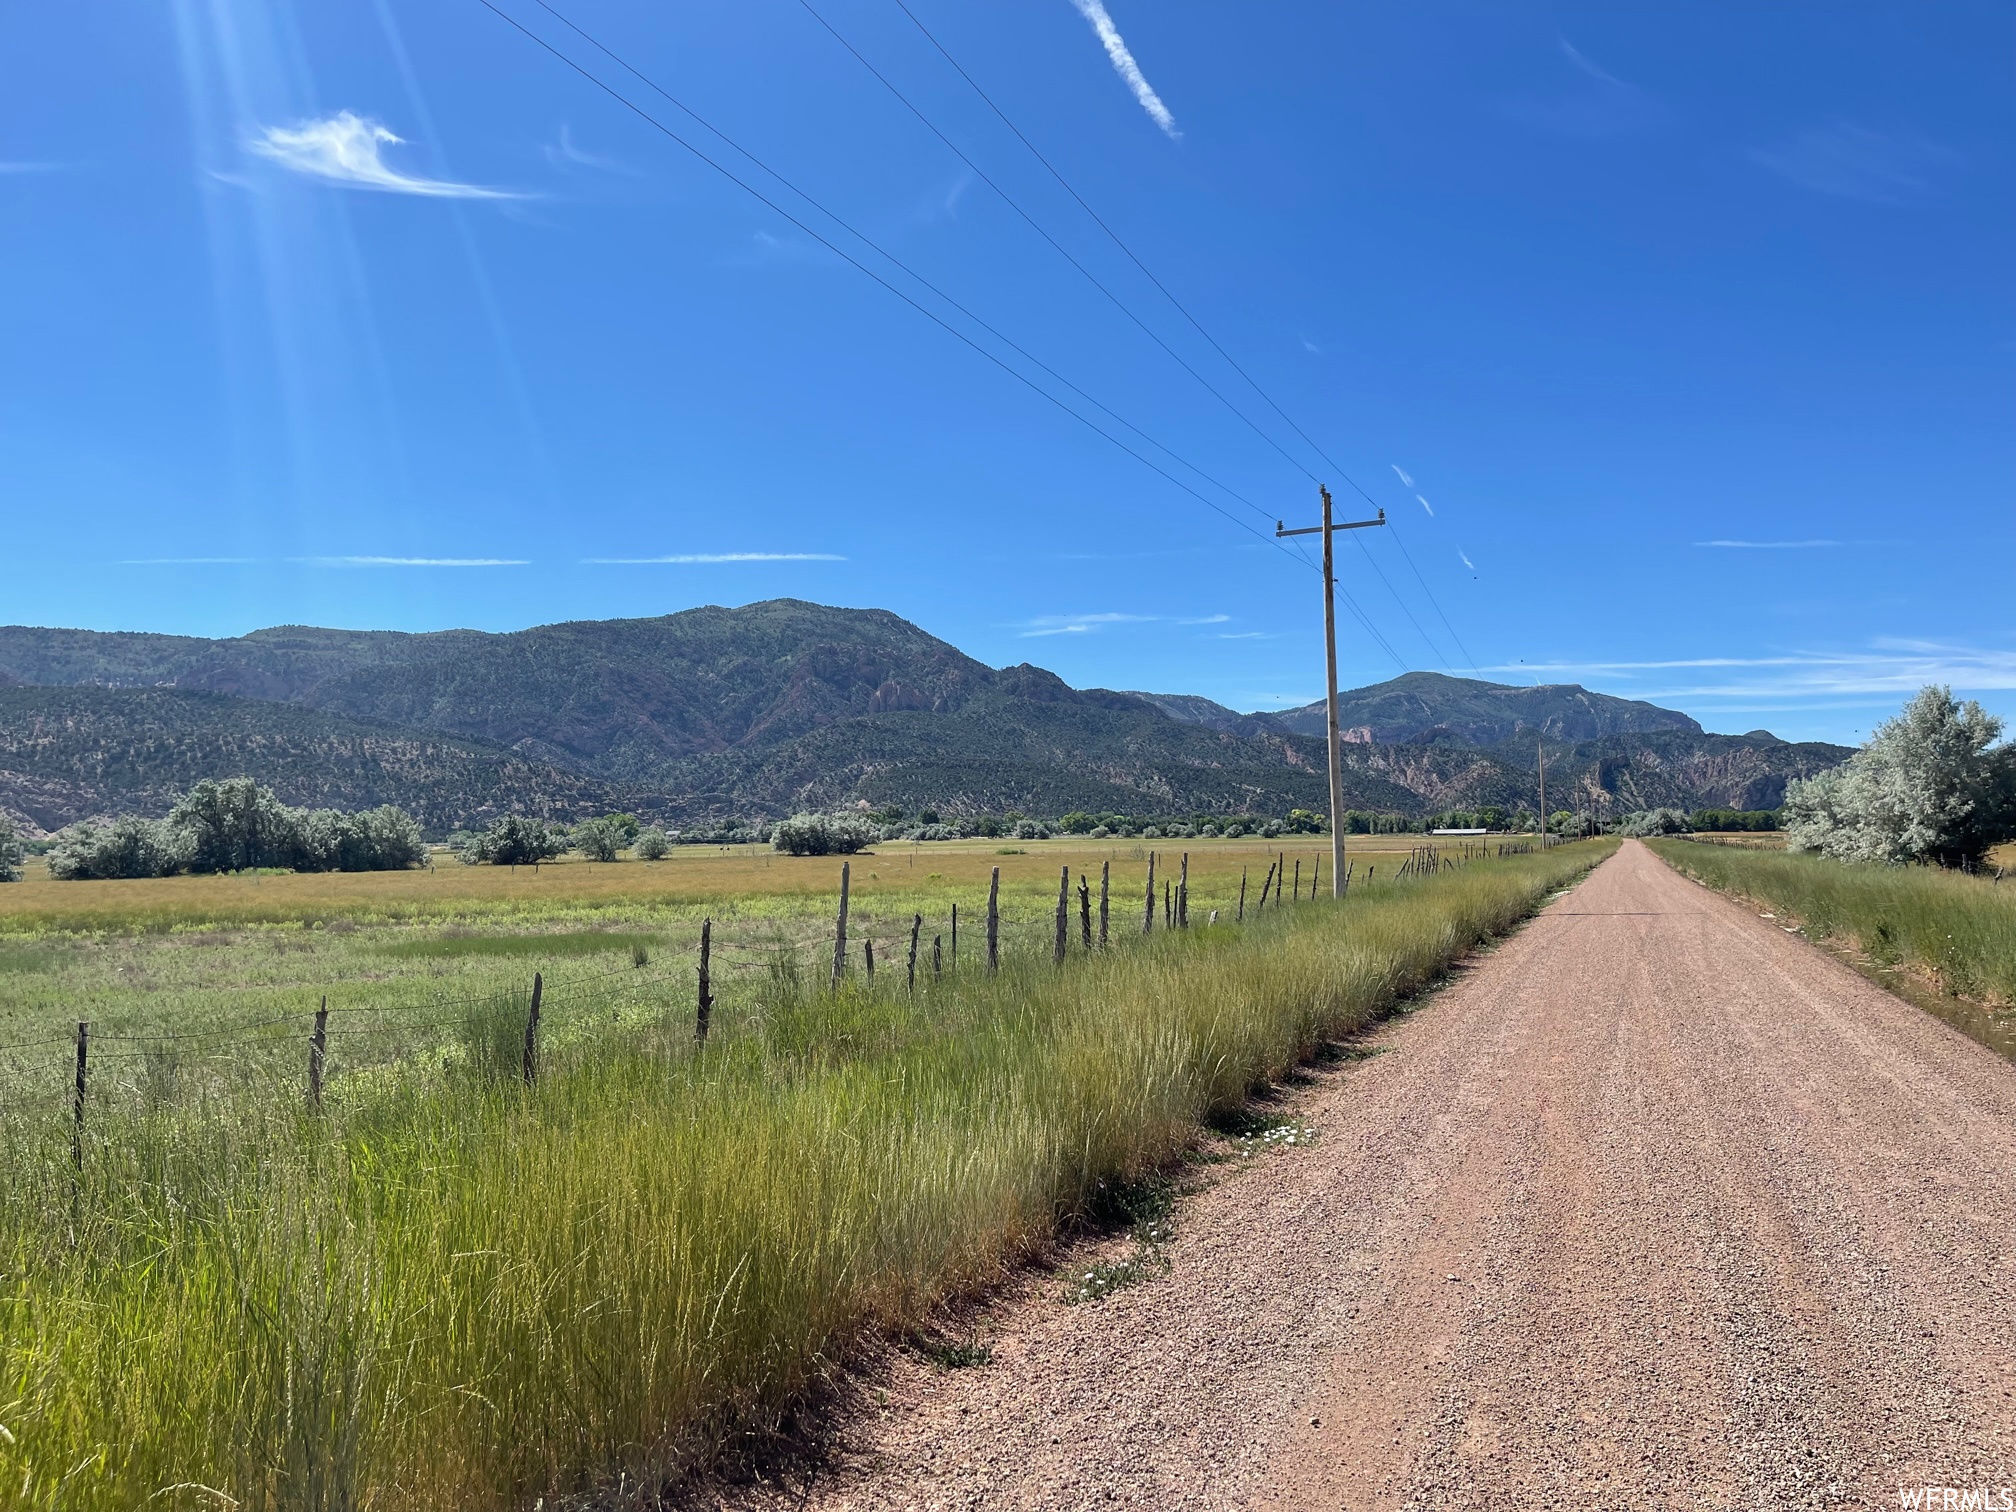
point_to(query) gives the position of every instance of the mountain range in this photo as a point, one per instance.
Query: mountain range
(758, 711)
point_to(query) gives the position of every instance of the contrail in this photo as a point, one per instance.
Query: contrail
(1402, 472)
(1125, 66)
(1426, 505)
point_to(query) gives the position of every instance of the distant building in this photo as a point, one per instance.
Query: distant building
(1460, 832)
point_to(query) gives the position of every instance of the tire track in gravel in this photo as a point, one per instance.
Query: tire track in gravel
(1656, 1207)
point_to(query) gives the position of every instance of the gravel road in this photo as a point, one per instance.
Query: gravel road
(1656, 1206)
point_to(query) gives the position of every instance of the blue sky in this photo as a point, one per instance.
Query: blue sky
(1691, 325)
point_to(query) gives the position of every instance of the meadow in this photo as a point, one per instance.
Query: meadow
(449, 1287)
(1959, 932)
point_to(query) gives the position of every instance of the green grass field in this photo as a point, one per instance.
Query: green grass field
(1959, 931)
(451, 1289)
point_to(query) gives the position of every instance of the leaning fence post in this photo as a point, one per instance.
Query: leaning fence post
(1105, 886)
(840, 929)
(706, 1006)
(1063, 913)
(318, 1045)
(1265, 888)
(77, 1107)
(916, 929)
(1183, 894)
(1085, 910)
(1315, 878)
(994, 922)
(868, 955)
(1242, 895)
(530, 1069)
(1148, 903)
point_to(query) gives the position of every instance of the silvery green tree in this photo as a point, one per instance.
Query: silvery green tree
(11, 851)
(380, 839)
(235, 825)
(515, 841)
(601, 839)
(1931, 785)
(652, 844)
(128, 846)
(822, 834)
(1659, 821)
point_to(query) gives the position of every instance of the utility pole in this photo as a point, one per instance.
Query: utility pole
(1541, 747)
(1328, 530)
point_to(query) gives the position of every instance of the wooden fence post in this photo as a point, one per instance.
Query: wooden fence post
(910, 975)
(1242, 895)
(706, 1008)
(1316, 878)
(318, 1045)
(1085, 910)
(1183, 894)
(530, 1068)
(1105, 884)
(868, 955)
(1148, 903)
(955, 937)
(840, 928)
(937, 955)
(994, 922)
(1265, 888)
(1297, 894)
(77, 1106)
(1063, 913)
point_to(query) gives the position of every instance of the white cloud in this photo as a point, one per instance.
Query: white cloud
(1770, 545)
(699, 558)
(1125, 66)
(1425, 504)
(1888, 669)
(387, 561)
(565, 152)
(1310, 346)
(1209, 619)
(345, 149)
(1466, 560)
(1079, 624)
(1852, 162)
(1401, 473)
(1581, 61)
(1248, 635)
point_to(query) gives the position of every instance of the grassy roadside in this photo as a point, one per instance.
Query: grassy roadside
(451, 1290)
(1959, 931)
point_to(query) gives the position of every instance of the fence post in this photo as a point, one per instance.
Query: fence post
(530, 1069)
(1085, 910)
(1148, 903)
(318, 1045)
(1242, 895)
(868, 955)
(1063, 913)
(994, 922)
(1183, 894)
(706, 1006)
(840, 928)
(1265, 888)
(916, 929)
(1297, 894)
(937, 955)
(955, 938)
(1105, 885)
(77, 1107)
(1316, 878)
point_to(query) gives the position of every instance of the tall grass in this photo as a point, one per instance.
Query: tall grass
(451, 1290)
(1958, 929)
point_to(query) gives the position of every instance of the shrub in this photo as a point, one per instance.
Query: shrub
(1098, 832)
(98, 850)
(11, 851)
(601, 839)
(652, 844)
(822, 834)
(515, 841)
(1032, 829)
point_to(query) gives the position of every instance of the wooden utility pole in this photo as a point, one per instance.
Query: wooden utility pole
(1541, 748)
(1329, 530)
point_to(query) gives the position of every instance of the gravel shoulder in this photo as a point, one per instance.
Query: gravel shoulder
(1655, 1206)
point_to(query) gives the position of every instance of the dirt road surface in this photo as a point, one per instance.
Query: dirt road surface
(1656, 1207)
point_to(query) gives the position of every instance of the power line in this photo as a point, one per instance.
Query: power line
(1467, 657)
(1433, 649)
(1090, 277)
(1163, 288)
(856, 263)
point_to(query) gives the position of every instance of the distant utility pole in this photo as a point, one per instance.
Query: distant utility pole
(1541, 747)
(1329, 530)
